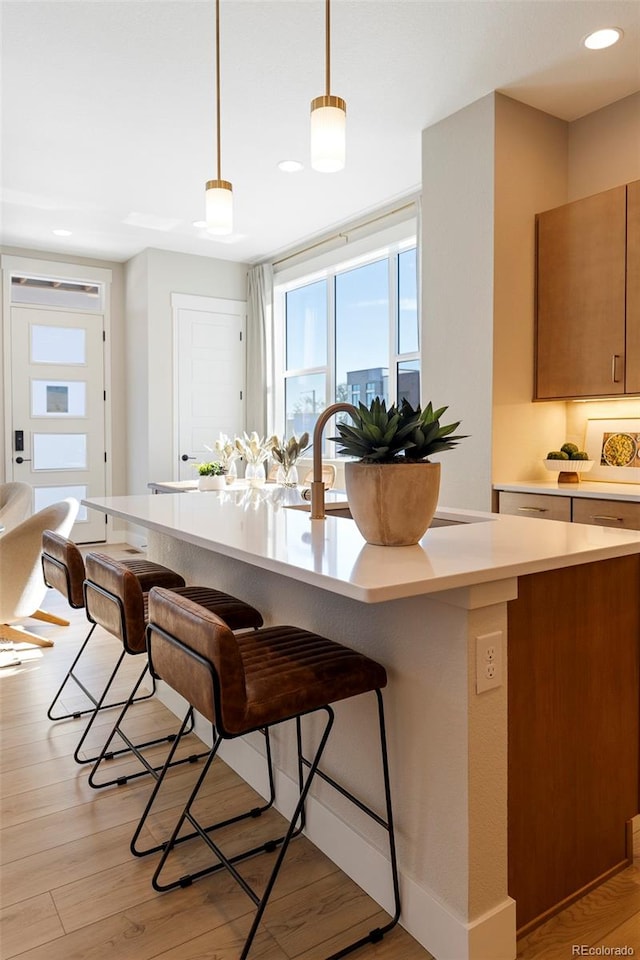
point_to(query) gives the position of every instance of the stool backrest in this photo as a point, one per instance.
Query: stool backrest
(213, 681)
(63, 567)
(114, 599)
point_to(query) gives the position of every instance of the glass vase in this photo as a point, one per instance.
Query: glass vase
(287, 476)
(232, 472)
(254, 473)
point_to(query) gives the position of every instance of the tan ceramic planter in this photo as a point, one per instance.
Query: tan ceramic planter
(392, 503)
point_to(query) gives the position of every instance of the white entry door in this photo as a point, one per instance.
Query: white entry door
(210, 370)
(58, 415)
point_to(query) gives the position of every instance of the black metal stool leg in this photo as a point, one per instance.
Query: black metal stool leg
(136, 748)
(76, 755)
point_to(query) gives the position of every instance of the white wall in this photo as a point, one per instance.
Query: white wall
(530, 176)
(152, 277)
(457, 292)
(604, 148)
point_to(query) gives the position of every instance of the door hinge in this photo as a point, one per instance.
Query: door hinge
(241, 335)
(104, 395)
(104, 336)
(241, 394)
(105, 456)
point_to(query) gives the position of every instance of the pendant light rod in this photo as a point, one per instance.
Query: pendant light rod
(327, 8)
(218, 86)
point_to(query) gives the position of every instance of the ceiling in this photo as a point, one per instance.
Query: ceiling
(108, 109)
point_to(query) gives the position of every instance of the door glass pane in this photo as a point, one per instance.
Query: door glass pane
(305, 399)
(306, 326)
(409, 382)
(362, 332)
(57, 345)
(408, 340)
(45, 496)
(59, 451)
(58, 398)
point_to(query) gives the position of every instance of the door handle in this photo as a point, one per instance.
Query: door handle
(185, 457)
(614, 368)
(22, 460)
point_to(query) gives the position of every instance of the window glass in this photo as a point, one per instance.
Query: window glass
(305, 399)
(409, 382)
(58, 398)
(63, 294)
(306, 326)
(57, 345)
(59, 451)
(362, 330)
(408, 341)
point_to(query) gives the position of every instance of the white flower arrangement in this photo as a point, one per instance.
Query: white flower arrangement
(253, 448)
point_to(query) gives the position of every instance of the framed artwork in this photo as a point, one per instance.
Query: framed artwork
(614, 446)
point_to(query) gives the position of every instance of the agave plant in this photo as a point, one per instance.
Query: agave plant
(427, 436)
(378, 435)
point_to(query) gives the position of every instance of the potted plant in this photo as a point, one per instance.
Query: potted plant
(285, 453)
(392, 487)
(212, 475)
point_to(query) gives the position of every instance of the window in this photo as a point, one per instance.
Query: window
(351, 334)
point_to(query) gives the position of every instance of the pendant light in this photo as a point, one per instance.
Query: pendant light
(218, 195)
(328, 118)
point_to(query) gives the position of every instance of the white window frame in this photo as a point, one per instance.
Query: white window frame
(390, 250)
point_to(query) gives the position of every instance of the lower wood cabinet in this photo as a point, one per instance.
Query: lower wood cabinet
(620, 514)
(574, 728)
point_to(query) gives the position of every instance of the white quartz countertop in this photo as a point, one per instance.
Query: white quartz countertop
(257, 527)
(585, 488)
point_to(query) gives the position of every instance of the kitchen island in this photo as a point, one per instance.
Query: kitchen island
(427, 613)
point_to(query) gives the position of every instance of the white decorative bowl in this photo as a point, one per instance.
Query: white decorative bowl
(569, 470)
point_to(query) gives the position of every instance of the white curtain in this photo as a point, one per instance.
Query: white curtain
(259, 299)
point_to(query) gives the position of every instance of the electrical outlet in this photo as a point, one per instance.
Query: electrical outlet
(488, 661)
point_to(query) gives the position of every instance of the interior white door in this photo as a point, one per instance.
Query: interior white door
(58, 417)
(210, 371)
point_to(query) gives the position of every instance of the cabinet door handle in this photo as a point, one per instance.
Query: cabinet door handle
(603, 516)
(614, 368)
(534, 509)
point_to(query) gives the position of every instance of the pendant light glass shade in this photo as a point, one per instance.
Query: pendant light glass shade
(328, 134)
(219, 207)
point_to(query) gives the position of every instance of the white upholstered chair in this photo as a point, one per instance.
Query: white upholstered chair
(15, 505)
(22, 586)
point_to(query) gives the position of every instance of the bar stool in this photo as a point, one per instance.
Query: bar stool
(63, 570)
(244, 683)
(116, 599)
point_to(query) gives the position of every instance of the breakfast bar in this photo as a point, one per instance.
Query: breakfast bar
(481, 595)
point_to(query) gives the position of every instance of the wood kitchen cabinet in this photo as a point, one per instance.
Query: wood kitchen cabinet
(588, 297)
(622, 514)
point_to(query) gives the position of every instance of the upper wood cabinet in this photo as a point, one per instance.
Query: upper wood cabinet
(588, 297)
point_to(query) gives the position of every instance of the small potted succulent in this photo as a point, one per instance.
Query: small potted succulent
(392, 488)
(285, 453)
(212, 475)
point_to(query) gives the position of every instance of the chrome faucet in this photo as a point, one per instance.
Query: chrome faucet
(317, 485)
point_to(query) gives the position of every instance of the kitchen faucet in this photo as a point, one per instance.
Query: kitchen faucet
(317, 485)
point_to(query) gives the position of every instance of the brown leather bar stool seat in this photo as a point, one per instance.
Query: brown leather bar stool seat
(115, 597)
(63, 569)
(244, 683)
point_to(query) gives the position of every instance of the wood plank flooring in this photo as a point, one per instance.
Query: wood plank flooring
(71, 890)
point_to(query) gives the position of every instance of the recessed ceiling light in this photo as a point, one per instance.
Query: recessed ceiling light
(603, 38)
(290, 166)
(199, 224)
(62, 233)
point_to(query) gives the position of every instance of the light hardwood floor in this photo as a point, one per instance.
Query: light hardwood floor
(72, 891)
